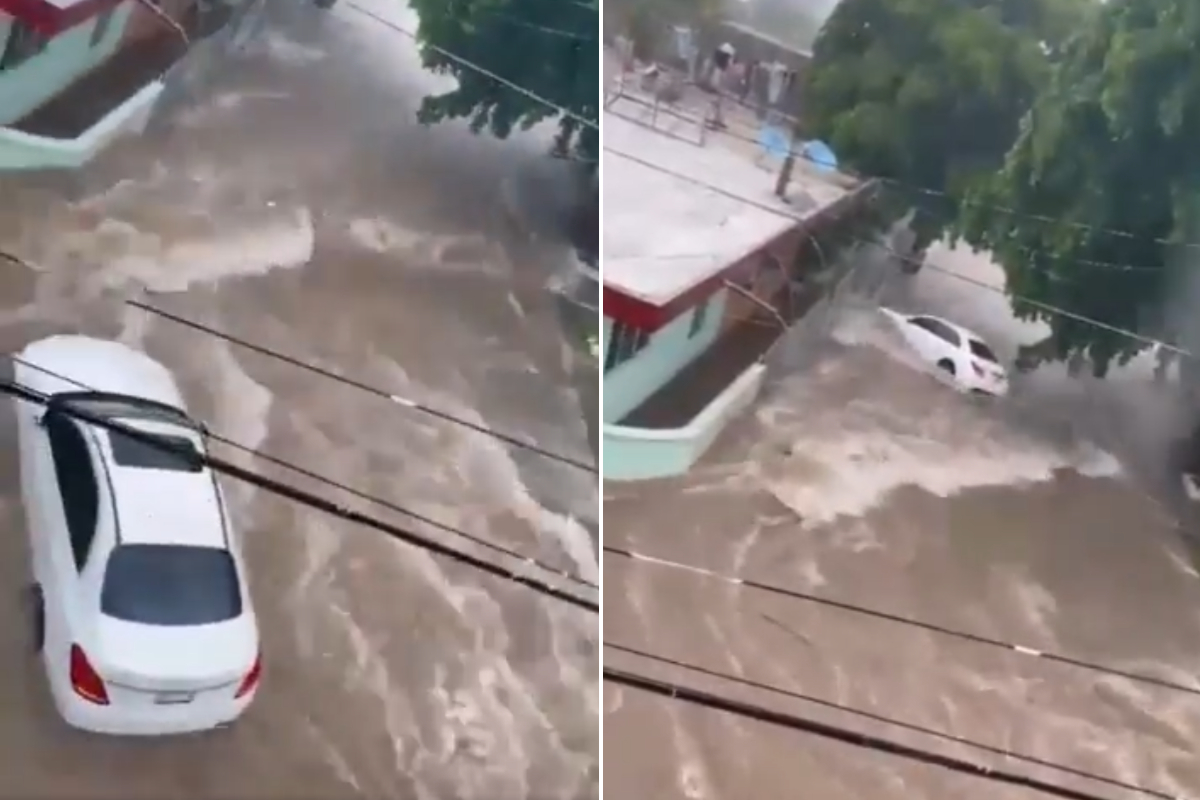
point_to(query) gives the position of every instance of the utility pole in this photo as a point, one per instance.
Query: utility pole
(789, 164)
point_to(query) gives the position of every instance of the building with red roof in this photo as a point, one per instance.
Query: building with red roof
(696, 246)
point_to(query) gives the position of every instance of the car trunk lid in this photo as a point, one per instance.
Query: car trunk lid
(165, 665)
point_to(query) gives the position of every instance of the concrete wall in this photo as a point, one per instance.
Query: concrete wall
(638, 454)
(669, 351)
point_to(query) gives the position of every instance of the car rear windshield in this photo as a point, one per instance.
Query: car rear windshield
(981, 350)
(158, 584)
(177, 453)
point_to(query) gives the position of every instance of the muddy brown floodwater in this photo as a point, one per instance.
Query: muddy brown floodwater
(862, 479)
(298, 206)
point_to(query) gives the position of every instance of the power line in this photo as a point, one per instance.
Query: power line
(675, 692)
(62, 403)
(896, 723)
(887, 616)
(521, 23)
(1046, 307)
(471, 65)
(1050, 309)
(350, 490)
(364, 387)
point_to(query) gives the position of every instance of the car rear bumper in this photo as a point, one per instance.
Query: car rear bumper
(992, 388)
(150, 720)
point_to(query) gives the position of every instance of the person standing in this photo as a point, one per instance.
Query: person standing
(722, 60)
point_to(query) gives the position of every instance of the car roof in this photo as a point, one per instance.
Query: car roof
(98, 365)
(162, 506)
(966, 333)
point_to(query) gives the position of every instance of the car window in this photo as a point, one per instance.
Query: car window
(130, 452)
(982, 351)
(938, 329)
(162, 584)
(120, 407)
(76, 475)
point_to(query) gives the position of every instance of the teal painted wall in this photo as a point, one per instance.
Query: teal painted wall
(635, 454)
(669, 351)
(67, 57)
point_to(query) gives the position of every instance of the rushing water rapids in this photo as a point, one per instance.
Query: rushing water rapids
(861, 478)
(300, 207)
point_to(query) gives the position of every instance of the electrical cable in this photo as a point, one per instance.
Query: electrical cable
(887, 616)
(165, 18)
(1046, 307)
(364, 387)
(520, 23)
(350, 490)
(582, 120)
(62, 404)
(896, 723)
(1050, 309)
(673, 691)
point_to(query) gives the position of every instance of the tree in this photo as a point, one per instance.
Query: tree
(549, 47)
(1110, 145)
(930, 93)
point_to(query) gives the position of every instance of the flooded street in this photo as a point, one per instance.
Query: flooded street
(298, 206)
(863, 480)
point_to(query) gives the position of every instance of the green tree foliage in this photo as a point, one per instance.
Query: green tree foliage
(550, 47)
(1111, 143)
(930, 93)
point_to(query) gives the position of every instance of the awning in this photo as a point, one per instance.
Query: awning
(52, 17)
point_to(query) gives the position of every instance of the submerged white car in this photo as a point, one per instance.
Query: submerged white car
(961, 354)
(141, 611)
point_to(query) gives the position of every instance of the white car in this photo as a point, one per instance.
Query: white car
(960, 353)
(141, 610)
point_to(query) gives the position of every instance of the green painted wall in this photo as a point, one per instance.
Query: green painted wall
(636, 454)
(67, 57)
(669, 351)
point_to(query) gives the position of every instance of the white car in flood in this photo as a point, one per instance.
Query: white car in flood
(141, 611)
(962, 355)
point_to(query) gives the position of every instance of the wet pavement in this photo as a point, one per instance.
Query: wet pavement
(862, 479)
(298, 206)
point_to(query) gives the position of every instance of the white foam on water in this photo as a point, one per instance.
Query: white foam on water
(379, 235)
(487, 467)
(441, 254)
(850, 474)
(217, 108)
(243, 405)
(162, 265)
(840, 439)
(491, 726)
(495, 711)
(284, 50)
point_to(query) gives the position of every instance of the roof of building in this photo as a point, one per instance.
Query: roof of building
(766, 38)
(665, 234)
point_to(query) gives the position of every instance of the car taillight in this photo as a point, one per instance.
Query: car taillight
(251, 680)
(86, 682)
